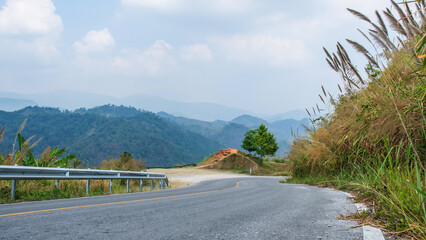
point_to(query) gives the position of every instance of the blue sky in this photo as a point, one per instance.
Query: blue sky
(262, 56)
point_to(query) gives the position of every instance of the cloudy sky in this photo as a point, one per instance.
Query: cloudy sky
(262, 56)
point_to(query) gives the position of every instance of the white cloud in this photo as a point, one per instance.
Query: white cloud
(29, 17)
(154, 60)
(364, 6)
(261, 48)
(196, 52)
(30, 28)
(157, 4)
(216, 6)
(95, 41)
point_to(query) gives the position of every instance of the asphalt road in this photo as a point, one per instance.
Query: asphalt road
(238, 208)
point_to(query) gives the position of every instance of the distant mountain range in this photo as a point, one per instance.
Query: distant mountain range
(72, 100)
(231, 134)
(99, 133)
(13, 104)
(161, 139)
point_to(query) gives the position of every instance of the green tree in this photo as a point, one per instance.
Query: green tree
(249, 142)
(265, 141)
(260, 141)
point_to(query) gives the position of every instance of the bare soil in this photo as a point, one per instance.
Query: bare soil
(179, 177)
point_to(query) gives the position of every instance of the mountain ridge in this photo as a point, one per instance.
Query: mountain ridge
(72, 100)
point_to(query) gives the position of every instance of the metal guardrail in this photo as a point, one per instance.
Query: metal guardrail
(15, 173)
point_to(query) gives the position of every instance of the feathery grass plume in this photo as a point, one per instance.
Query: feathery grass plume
(364, 51)
(321, 98)
(1, 133)
(341, 55)
(332, 66)
(308, 112)
(307, 129)
(336, 61)
(343, 51)
(27, 141)
(340, 89)
(323, 90)
(332, 101)
(355, 71)
(382, 23)
(319, 111)
(394, 23)
(291, 128)
(368, 39)
(35, 143)
(330, 60)
(359, 15)
(22, 126)
(420, 12)
(353, 83)
(411, 18)
(403, 19)
(313, 109)
(327, 53)
(378, 40)
(384, 37)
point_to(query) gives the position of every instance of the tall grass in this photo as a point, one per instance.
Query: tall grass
(31, 190)
(374, 139)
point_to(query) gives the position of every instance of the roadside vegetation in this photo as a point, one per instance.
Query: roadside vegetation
(373, 141)
(29, 190)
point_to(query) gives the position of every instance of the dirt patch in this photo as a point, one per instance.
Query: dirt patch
(185, 176)
(230, 159)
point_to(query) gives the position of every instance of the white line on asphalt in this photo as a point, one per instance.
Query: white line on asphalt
(372, 233)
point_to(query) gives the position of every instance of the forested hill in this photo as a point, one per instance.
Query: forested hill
(97, 133)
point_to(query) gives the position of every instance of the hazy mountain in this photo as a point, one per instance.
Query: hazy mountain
(297, 114)
(231, 134)
(74, 100)
(97, 133)
(282, 129)
(249, 121)
(65, 99)
(110, 111)
(201, 111)
(13, 104)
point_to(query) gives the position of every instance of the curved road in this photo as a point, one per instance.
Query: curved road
(237, 208)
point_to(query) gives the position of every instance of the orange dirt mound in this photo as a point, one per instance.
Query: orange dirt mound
(229, 159)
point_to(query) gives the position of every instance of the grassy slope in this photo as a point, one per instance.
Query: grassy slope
(374, 142)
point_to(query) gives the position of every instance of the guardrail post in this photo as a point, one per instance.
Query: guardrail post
(13, 189)
(141, 185)
(159, 184)
(110, 186)
(152, 184)
(57, 184)
(87, 187)
(127, 186)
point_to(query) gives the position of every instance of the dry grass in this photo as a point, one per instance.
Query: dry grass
(374, 139)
